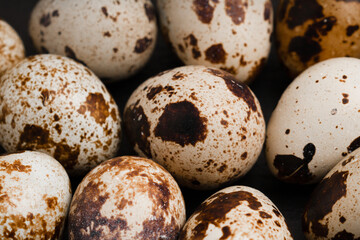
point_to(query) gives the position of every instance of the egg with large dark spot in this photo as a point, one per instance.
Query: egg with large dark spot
(127, 198)
(315, 123)
(55, 105)
(202, 125)
(115, 39)
(310, 31)
(333, 209)
(233, 35)
(35, 195)
(236, 212)
(11, 47)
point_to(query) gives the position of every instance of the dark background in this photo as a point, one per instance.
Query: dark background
(268, 87)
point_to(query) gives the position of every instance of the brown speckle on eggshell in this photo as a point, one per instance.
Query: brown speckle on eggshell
(35, 195)
(90, 31)
(128, 198)
(55, 105)
(236, 212)
(197, 122)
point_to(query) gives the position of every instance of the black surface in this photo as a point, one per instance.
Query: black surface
(268, 87)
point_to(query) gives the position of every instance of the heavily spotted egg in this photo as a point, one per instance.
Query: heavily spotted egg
(127, 198)
(56, 105)
(333, 209)
(236, 212)
(316, 121)
(227, 34)
(35, 195)
(11, 47)
(199, 123)
(311, 31)
(114, 39)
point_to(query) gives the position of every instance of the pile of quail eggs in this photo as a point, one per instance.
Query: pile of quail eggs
(196, 126)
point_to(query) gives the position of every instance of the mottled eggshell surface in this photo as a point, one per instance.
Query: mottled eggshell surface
(199, 123)
(311, 31)
(127, 198)
(316, 121)
(227, 34)
(56, 105)
(35, 196)
(113, 38)
(236, 212)
(333, 210)
(11, 47)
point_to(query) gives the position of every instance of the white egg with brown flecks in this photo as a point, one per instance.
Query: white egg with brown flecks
(315, 123)
(333, 209)
(11, 47)
(114, 39)
(236, 212)
(35, 196)
(227, 34)
(199, 123)
(55, 105)
(127, 198)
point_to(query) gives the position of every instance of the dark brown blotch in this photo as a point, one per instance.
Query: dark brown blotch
(267, 11)
(294, 169)
(71, 54)
(97, 106)
(104, 11)
(55, 13)
(137, 127)
(345, 99)
(216, 54)
(302, 11)
(142, 44)
(350, 30)
(213, 211)
(157, 228)
(324, 197)
(203, 10)
(355, 144)
(237, 88)
(150, 11)
(181, 123)
(235, 9)
(45, 20)
(226, 233)
(264, 215)
(306, 48)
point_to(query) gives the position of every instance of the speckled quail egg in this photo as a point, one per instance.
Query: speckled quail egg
(199, 123)
(236, 212)
(127, 198)
(315, 123)
(333, 209)
(114, 39)
(227, 34)
(11, 47)
(311, 31)
(35, 195)
(56, 105)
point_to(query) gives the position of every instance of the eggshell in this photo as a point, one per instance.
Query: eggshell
(199, 123)
(308, 32)
(11, 47)
(231, 35)
(127, 198)
(55, 105)
(113, 38)
(315, 123)
(35, 195)
(333, 209)
(236, 212)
